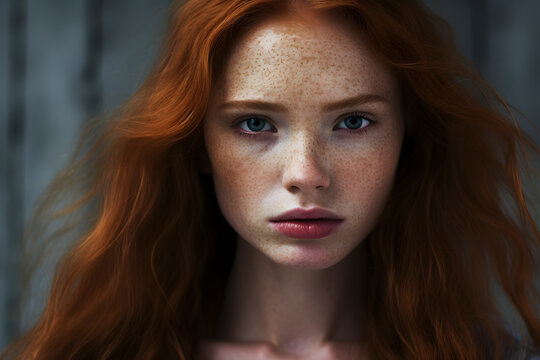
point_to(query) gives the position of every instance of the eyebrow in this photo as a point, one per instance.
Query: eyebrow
(276, 107)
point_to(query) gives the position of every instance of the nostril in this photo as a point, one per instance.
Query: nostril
(306, 174)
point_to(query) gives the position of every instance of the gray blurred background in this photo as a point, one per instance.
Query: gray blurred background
(65, 61)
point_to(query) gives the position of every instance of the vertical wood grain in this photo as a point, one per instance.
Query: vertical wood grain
(91, 82)
(16, 136)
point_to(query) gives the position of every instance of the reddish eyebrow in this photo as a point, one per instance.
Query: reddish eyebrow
(280, 108)
(255, 105)
(355, 100)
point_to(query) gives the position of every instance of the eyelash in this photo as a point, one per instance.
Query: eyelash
(353, 131)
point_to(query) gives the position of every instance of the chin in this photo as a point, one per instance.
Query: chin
(305, 255)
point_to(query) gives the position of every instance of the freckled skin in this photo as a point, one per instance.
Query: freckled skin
(306, 162)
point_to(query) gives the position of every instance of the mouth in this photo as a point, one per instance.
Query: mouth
(307, 228)
(315, 213)
(301, 223)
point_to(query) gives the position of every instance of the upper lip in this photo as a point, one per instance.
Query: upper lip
(312, 213)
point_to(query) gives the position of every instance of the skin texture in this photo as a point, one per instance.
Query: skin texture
(290, 298)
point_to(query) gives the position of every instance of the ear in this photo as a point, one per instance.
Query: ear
(203, 162)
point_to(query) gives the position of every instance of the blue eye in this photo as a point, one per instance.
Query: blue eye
(353, 122)
(255, 125)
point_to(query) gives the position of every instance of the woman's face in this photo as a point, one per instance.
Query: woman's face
(304, 116)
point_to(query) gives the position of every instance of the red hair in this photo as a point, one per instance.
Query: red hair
(142, 281)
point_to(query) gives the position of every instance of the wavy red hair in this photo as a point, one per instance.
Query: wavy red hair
(142, 282)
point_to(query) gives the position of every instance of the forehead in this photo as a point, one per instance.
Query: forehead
(285, 59)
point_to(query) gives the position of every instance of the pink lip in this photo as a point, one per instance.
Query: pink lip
(311, 223)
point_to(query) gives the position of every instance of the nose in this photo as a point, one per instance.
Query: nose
(304, 171)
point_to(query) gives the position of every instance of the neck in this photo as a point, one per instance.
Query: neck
(291, 308)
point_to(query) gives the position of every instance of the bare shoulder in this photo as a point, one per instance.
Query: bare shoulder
(219, 350)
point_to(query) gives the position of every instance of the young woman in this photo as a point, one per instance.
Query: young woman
(300, 180)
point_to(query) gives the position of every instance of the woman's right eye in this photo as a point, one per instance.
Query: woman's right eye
(255, 124)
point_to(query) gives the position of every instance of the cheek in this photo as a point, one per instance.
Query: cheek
(368, 179)
(241, 180)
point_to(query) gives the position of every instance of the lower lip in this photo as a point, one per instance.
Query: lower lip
(298, 229)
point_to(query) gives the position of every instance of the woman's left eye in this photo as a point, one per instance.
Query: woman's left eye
(353, 122)
(255, 124)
